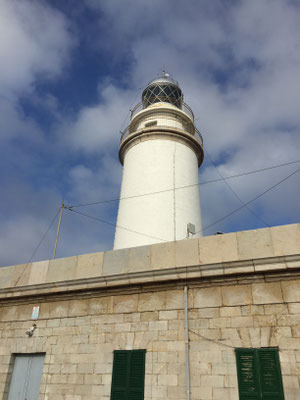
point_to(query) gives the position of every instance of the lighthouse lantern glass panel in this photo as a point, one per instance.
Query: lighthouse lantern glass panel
(166, 93)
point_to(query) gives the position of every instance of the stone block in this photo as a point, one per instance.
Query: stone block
(125, 303)
(152, 301)
(292, 261)
(201, 393)
(38, 272)
(176, 392)
(174, 300)
(264, 293)
(256, 243)
(163, 255)
(294, 308)
(210, 356)
(214, 381)
(21, 275)
(238, 267)
(89, 265)
(278, 309)
(218, 248)
(158, 325)
(149, 316)
(100, 305)
(223, 322)
(186, 253)
(212, 270)
(230, 312)
(142, 340)
(225, 394)
(6, 274)
(265, 320)
(139, 258)
(268, 264)
(62, 269)
(291, 290)
(252, 310)
(286, 239)
(57, 309)
(167, 380)
(208, 313)
(116, 262)
(158, 392)
(292, 393)
(16, 275)
(232, 334)
(290, 343)
(236, 295)
(78, 308)
(168, 335)
(207, 297)
(241, 322)
(166, 315)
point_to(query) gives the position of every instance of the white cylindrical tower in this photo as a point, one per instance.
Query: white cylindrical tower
(161, 152)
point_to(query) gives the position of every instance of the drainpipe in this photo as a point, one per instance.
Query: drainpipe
(187, 347)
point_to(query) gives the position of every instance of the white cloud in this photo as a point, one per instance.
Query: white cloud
(34, 41)
(97, 128)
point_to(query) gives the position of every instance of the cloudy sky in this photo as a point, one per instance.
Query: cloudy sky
(71, 70)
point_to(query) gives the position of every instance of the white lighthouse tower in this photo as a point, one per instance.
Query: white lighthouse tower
(161, 151)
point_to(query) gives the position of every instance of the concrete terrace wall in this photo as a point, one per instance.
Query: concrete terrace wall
(244, 291)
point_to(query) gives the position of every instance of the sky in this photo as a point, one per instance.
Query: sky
(71, 70)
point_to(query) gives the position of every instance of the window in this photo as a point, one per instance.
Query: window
(259, 374)
(128, 377)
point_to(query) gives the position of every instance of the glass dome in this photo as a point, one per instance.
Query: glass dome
(162, 89)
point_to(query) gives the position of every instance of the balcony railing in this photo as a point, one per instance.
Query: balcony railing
(183, 106)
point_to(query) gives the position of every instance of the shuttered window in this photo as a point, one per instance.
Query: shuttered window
(128, 378)
(259, 374)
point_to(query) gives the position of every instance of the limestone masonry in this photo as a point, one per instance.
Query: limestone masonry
(243, 292)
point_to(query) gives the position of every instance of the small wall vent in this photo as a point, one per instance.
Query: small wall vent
(150, 123)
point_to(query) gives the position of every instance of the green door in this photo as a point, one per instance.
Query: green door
(259, 374)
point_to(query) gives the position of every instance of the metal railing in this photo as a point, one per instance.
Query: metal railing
(183, 106)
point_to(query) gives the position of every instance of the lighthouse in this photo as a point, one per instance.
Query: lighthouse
(161, 151)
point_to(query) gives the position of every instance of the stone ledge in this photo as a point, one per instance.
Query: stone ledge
(242, 253)
(240, 270)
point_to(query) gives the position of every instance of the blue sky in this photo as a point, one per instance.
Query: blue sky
(71, 70)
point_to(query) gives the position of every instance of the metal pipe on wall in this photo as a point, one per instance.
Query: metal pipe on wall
(187, 344)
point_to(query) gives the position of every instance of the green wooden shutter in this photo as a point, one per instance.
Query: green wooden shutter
(128, 378)
(119, 376)
(270, 374)
(247, 371)
(259, 374)
(137, 375)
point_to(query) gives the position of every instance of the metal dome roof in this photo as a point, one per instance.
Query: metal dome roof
(165, 78)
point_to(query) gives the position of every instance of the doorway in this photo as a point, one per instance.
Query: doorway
(26, 377)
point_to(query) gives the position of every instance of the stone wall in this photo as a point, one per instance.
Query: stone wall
(244, 291)
(79, 335)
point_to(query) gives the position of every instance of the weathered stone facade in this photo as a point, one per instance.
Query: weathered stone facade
(243, 291)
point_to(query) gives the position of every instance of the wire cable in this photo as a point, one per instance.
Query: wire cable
(187, 186)
(112, 224)
(233, 192)
(252, 200)
(38, 246)
(45, 234)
